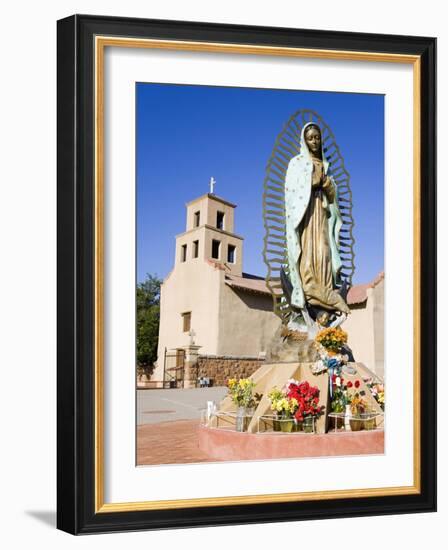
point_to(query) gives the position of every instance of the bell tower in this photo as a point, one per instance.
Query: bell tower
(209, 234)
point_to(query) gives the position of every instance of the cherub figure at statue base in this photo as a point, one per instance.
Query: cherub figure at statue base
(288, 346)
(296, 339)
(309, 323)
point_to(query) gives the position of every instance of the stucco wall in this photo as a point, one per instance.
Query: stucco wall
(225, 239)
(359, 326)
(204, 235)
(212, 210)
(365, 327)
(246, 322)
(196, 206)
(193, 287)
(208, 206)
(378, 318)
(188, 238)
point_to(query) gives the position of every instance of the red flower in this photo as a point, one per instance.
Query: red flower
(349, 384)
(357, 383)
(307, 397)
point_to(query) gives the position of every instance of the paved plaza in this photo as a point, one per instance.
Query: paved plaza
(168, 422)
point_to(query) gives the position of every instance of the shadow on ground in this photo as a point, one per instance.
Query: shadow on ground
(48, 517)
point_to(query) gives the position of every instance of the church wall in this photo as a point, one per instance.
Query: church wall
(204, 235)
(378, 317)
(359, 326)
(225, 239)
(246, 322)
(187, 238)
(212, 209)
(191, 287)
(197, 206)
(365, 327)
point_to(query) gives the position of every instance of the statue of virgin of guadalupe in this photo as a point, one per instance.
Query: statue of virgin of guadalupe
(313, 221)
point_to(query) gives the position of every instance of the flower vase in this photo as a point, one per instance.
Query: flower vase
(369, 422)
(240, 420)
(248, 417)
(276, 425)
(308, 425)
(356, 424)
(287, 425)
(348, 415)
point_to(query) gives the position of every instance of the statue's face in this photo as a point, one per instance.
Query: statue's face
(313, 140)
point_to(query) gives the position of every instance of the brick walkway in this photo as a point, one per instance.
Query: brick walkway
(173, 442)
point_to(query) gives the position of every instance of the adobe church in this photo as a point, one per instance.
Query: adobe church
(208, 305)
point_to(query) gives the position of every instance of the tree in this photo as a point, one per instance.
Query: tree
(148, 317)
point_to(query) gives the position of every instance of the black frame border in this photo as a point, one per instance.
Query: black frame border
(76, 263)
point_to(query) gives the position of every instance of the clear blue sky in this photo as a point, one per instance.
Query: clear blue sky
(186, 134)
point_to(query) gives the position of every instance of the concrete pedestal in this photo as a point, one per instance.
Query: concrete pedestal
(277, 374)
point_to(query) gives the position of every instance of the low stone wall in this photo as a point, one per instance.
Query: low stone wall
(219, 368)
(227, 444)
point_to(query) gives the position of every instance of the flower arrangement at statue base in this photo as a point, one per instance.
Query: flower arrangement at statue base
(330, 343)
(296, 407)
(284, 409)
(345, 399)
(332, 340)
(362, 416)
(348, 400)
(377, 390)
(338, 401)
(241, 393)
